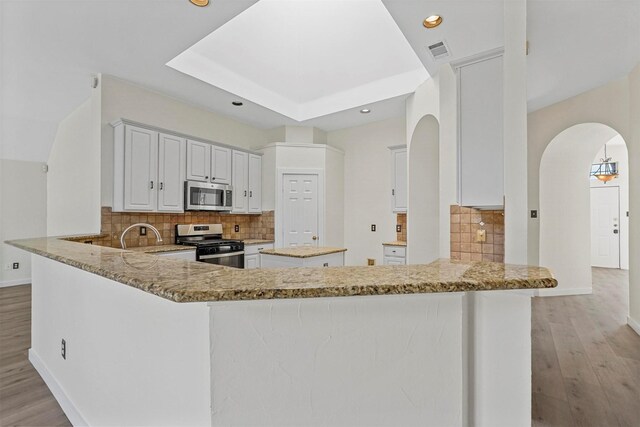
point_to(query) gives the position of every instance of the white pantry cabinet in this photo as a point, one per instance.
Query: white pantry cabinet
(208, 163)
(399, 178)
(480, 131)
(149, 169)
(247, 182)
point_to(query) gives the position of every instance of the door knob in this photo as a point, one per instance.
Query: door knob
(315, 237)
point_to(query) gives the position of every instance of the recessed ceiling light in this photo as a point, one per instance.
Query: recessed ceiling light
(432, 21)
(237, 103)
(200, 3)
(365, 111)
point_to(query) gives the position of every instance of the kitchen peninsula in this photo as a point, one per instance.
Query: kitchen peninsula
(304, 256)
(153, 341)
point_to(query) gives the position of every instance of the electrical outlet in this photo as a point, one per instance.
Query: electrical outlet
(63, 349)
(371, 261)
(399, 228)
(16, 265)
(481, 236)
(373, 227)
(236, 228)
(143, 231)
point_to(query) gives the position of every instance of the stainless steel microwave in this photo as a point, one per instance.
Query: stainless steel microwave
(203, 196)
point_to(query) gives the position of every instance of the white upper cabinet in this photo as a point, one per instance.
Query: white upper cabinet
(149, 170)
(171, 172)
(140, 169)
(198, 161)
(399, 178)
(255, 183)
(247, 182)
(220, 165)
(480, 132)
(240, 170)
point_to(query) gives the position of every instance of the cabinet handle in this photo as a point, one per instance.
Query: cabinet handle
(213, 178)
(393, 192)
(162, 185)
(206, 177)
(152, 185)
(245, 193)
(250, 193)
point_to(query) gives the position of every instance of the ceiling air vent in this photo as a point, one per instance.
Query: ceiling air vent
(439, 50)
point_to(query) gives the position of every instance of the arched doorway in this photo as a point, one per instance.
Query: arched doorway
(423, 209)
(565, 207)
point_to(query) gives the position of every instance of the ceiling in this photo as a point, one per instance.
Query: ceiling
(50, 48)
(307, 58)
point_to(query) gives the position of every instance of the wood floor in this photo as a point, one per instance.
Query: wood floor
(586, 360)
(25, 400)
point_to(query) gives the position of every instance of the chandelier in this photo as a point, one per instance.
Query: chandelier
(607, 170)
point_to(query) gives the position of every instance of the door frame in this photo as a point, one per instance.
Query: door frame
(619, 267)
(279, 217)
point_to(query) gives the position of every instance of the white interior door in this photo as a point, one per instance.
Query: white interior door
(300, 210)
(605, 227)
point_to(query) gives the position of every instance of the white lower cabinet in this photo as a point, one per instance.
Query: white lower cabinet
(280, 261)
(394, 255)
(252, 254)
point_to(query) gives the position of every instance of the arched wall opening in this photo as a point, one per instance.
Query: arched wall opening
(565, 207)
(423, 206)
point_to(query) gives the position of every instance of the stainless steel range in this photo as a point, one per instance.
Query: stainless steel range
(210, 246)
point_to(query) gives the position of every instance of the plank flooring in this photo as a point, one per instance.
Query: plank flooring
(586, 360)
(25, 400)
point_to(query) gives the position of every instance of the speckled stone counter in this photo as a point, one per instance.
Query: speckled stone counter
(395, 243)
(161, 248)
(257, 241)
(303, 252)
(187, 281)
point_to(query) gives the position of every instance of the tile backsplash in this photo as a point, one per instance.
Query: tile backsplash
(251, 226)
(401, 220)
(465, 222)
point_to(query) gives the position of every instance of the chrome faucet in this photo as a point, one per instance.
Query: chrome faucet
(140, 224)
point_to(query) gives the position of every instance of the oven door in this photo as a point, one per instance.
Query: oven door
(202, 196)
(231, 259)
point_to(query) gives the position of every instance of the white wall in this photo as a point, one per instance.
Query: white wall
(73, 184)
(121, 99)
(617, 150)
(423, 224)
(23, 214)
(132, 358)
(565, 212)
(633, 146)
(367, 186)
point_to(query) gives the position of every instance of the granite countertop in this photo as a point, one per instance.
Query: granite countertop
(302, 252)
(187, 281)
(257, 241)
(161, 248)
(395, 243)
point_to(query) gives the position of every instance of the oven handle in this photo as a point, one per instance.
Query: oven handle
(220, 255)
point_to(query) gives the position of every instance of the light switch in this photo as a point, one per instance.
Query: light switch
(481, 236)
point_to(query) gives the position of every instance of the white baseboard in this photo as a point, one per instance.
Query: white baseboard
(635, 325)
(16, 282)
(557, 292)
(70, 410)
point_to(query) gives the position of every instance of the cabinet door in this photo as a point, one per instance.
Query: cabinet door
(481, 149)
(220, 165)
(240, 175)
(252, 261)
(198, 161)
(255, 183)
(399, 190)
(171, 166)
(140, 169)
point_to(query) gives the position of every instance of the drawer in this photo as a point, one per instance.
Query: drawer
(254, 249)
(398, 251)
